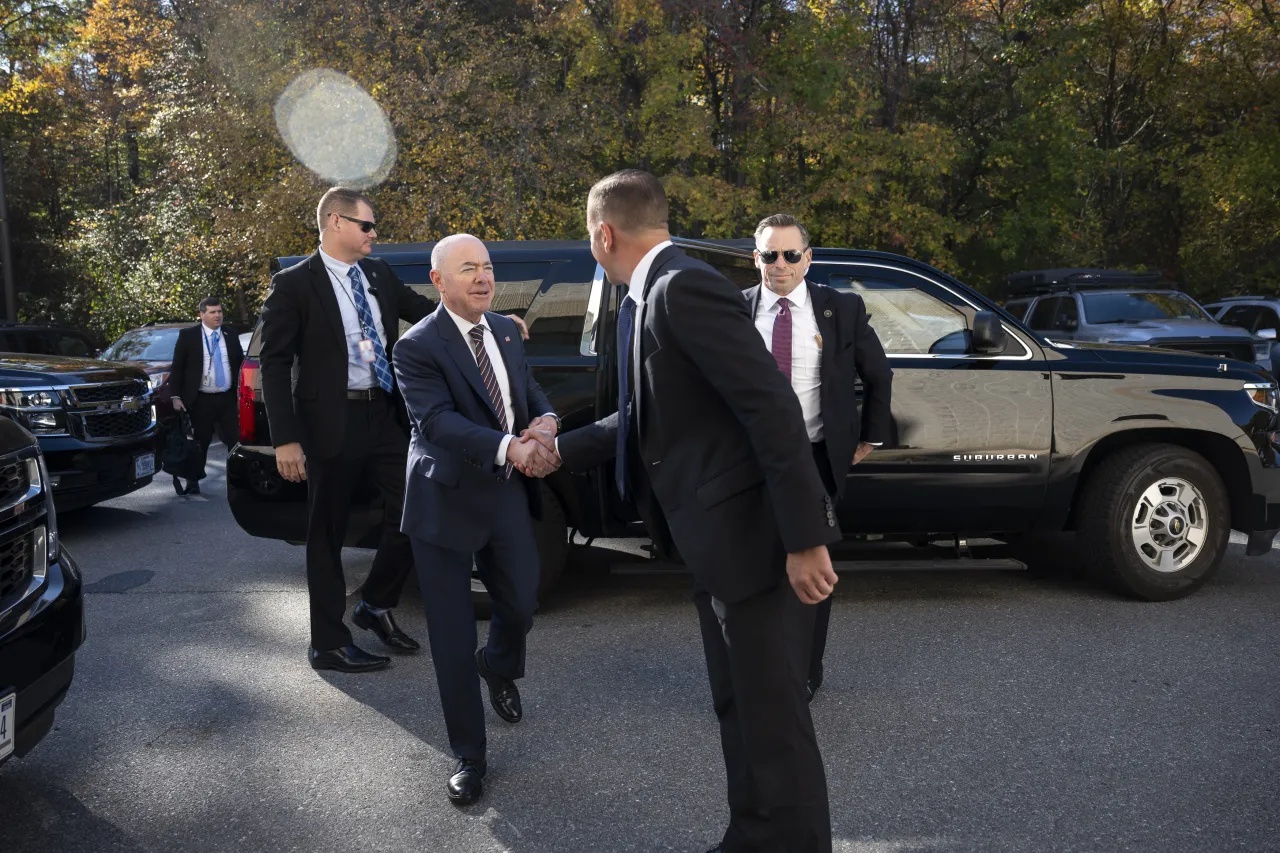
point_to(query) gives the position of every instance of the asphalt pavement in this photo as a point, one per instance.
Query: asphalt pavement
(962, 711)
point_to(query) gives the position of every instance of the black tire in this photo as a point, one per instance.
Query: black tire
(552, 536)
(1106, 514)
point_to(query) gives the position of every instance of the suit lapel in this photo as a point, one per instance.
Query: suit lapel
(753, 300)
(460, 351)
(827, 328)
(510, 356)
(637, 335)
(323, 286)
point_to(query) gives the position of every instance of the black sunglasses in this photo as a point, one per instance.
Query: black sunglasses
(365, 225)
(792, 256)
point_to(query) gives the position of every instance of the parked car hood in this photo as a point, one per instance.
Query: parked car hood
(20, 370)
(1172, 329)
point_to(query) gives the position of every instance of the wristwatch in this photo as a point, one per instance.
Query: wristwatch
(554, 417)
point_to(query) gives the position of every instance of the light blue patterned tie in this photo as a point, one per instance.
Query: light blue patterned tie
(219, 375)
(381, 368)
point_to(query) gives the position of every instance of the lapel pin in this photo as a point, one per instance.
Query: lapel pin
(507, 339)
(826, 313)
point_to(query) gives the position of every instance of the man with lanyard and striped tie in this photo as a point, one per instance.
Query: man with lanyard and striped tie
(206, 360)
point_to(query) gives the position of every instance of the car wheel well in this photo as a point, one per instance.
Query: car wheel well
(1221, 452)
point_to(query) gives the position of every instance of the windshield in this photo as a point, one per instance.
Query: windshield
(1135, 307)
(144, 345)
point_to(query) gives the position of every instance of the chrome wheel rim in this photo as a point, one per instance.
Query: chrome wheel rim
(1170, 525)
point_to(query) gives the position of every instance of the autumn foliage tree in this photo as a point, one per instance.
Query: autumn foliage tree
(146, 168)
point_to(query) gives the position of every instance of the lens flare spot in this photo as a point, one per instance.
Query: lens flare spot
(336, 129)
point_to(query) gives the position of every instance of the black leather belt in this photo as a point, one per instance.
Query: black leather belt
(366, 394)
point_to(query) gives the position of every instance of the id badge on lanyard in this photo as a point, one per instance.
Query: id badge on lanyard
(367, 355)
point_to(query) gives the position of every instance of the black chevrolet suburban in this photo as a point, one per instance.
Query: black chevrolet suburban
(41, 598)
(95, 422)
(1152, 457)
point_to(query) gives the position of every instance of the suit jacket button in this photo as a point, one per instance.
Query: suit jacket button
(831, 522)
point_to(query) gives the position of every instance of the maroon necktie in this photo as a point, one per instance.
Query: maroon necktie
(782, 337)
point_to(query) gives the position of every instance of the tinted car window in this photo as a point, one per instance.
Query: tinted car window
(1119, 307)
(70, 344)
(143, 345)
(738, 269)
(1068, 316)
(30, 341)
(1239, 315)
(1041, 318)
(1017, 307)
(1267, 319)
(907, 320)
(554, 311)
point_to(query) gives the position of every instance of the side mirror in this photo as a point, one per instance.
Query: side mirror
(1267, 334)
(988, 334)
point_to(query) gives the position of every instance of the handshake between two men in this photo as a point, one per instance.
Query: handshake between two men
(533, 452)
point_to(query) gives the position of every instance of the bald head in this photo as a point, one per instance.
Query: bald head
(463, 275)
(440, 252)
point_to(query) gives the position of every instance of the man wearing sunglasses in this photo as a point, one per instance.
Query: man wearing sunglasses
(329, 330)
(822, 341)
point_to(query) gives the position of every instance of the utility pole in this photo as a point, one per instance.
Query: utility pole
(6, 252)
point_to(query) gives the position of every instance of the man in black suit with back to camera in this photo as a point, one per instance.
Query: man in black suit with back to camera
(822, 341)
(206, 365)
(329, 326)
(709, 445)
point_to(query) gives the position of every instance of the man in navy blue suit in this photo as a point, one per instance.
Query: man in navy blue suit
(470, 492)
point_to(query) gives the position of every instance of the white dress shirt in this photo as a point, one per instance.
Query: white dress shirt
(806, 354)
(499, 371)
(359, 373)
(208, 376)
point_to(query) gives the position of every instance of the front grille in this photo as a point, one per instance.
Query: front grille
(1217, 349)
(109, 392)
(13, 482)
(116, 424)
(15, 568)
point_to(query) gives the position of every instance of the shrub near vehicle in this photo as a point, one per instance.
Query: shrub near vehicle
(1153, 456)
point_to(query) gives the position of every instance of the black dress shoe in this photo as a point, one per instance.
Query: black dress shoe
(503, 694)
(193, 487)
(348, 658)
(385, 627)
(467, 782)
(177, 487)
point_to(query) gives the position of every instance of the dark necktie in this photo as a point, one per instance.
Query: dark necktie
(381, 367)
(782, 337)
(490, 382)
(626, 323)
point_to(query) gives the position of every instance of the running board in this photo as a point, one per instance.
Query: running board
(958, 564)
(954, 564)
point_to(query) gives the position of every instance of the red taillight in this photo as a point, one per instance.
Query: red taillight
(248, 417)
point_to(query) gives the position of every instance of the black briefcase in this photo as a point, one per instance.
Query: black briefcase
(181, 456)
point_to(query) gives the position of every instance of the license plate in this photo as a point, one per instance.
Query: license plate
(8, 724)
(144, 466)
